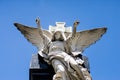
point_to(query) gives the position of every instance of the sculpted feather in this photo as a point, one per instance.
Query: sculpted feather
(33, 35)
(84, 39)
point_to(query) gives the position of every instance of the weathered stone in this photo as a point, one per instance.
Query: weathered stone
(39, 69)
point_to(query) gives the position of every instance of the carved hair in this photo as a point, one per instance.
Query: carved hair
(62, 36)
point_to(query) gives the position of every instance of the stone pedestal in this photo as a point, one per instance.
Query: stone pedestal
(39, 69)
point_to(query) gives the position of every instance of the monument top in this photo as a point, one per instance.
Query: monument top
(60, 26)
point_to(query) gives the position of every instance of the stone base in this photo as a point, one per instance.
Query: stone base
(39, 69)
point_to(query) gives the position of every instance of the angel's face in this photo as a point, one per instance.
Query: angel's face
(57, 35)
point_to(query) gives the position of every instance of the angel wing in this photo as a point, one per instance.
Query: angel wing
(33, 36)
(84, 39)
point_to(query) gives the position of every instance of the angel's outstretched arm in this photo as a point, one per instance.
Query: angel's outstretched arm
(44, 37)
(39, 27)
(74, 27)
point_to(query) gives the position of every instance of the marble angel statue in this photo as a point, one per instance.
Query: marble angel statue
(60, 50)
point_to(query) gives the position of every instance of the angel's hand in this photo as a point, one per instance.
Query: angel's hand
(38, 22)
(76, 23)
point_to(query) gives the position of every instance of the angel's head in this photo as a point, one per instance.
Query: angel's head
(58, 36)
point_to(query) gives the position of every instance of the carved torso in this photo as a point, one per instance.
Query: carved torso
(56, 46)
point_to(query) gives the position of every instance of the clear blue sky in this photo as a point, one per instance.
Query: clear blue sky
(16, 51)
